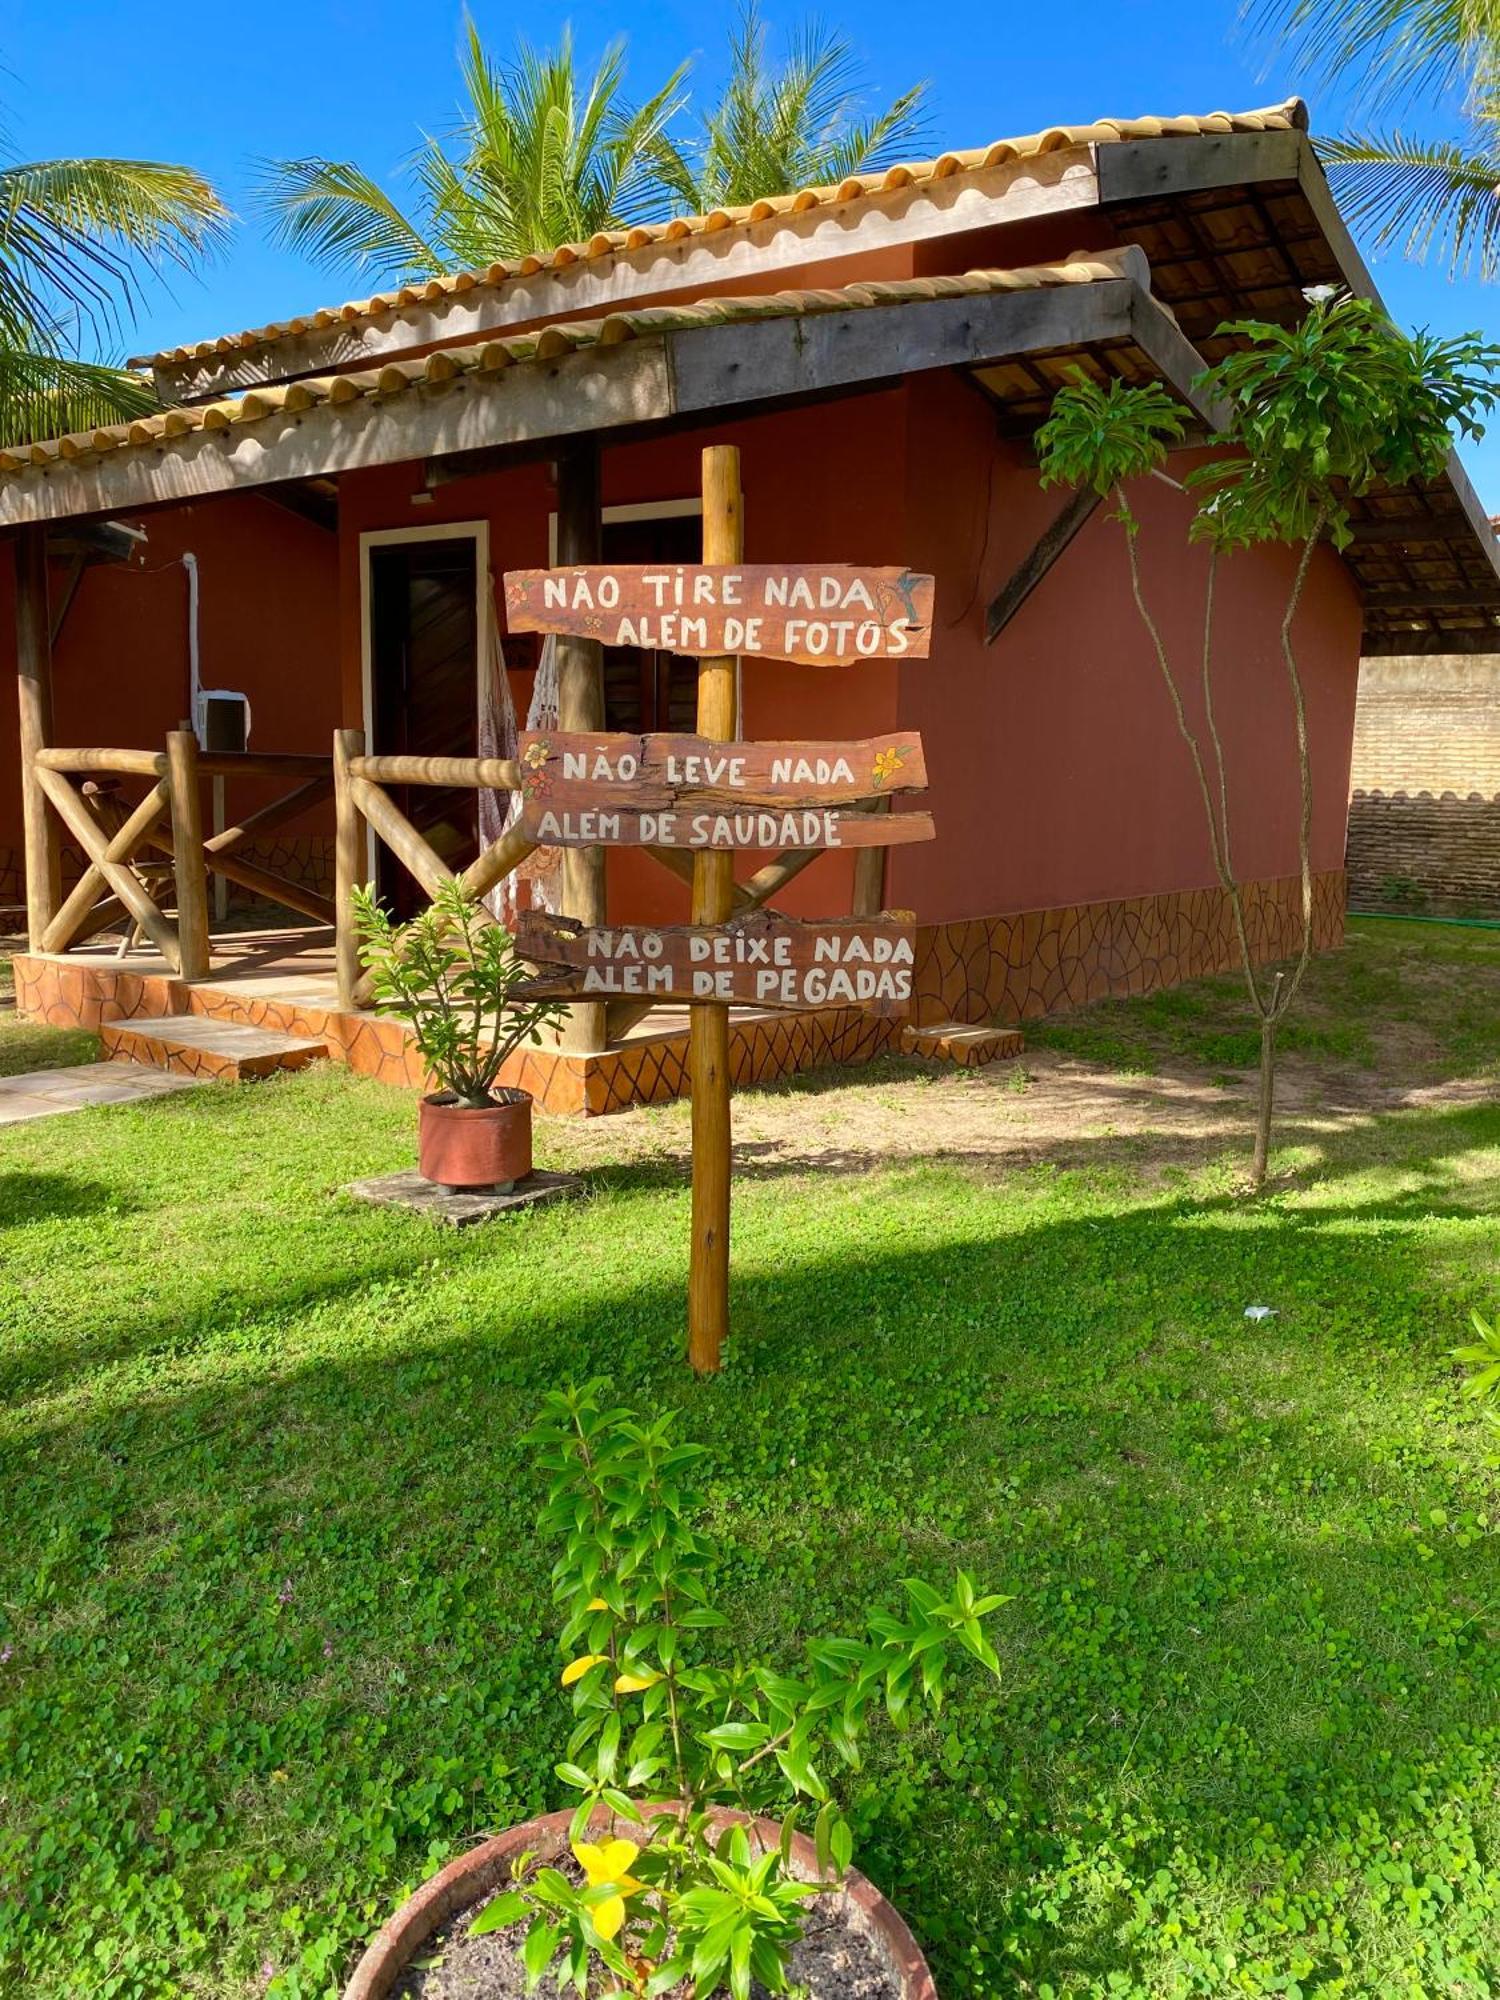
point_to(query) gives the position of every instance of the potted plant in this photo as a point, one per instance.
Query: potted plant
(683, 1864)
(453, 974)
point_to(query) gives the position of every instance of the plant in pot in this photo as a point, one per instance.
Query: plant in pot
(683, 1866)
(454, 975)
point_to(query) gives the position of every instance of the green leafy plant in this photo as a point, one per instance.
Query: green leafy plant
(1311, 416)
(454, 974)
(663, 1733)
(1413, 191)
(1482, 1356)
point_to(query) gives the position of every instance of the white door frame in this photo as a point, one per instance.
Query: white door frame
(478, 532)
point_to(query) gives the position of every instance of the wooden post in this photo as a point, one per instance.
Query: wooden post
(34, 700)
(580, 705)
(713, 901)
(347, 867)
(869, 875)
(188, 865)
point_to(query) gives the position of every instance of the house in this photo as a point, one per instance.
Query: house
(316, 523)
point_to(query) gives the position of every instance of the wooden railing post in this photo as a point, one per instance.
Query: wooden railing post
(347, 864)
(34, 701)
(188, 863)
(580, 705)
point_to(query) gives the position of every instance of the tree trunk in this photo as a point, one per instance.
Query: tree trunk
(1266, 1105)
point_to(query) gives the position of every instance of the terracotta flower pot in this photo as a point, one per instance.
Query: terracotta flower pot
(461, 1146)
(472, 1876)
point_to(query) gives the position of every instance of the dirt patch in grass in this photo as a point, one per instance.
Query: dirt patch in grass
(1405, 1017)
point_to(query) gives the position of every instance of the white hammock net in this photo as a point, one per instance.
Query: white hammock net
(537, 883)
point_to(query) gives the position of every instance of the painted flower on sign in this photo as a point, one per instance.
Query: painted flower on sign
(887, 764)
(536, 754)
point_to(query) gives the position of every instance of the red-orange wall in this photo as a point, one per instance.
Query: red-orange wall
(268, 626)
(1056, 773)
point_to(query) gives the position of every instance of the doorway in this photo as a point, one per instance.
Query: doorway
(423, 629)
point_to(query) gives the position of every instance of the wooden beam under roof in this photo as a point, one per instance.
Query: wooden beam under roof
(684, 373)
(1049, 545)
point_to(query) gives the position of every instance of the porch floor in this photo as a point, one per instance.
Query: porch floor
(283, 980)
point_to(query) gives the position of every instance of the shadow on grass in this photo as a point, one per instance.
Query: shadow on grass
(51, 1197)
(1229, 1657)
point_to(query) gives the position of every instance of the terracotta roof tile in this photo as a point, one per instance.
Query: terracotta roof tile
(490, 356)
(1292, 115)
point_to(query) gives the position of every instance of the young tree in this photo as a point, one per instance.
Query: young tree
(74, 238)
(541, 156)
(1439, 193)
(1316, 414)
(779, 127)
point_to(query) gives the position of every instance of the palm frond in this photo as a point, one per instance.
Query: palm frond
(1391, 52)
(341, 218)
(1421, 196)
(73, 231)
(46, 395)
(780, 127)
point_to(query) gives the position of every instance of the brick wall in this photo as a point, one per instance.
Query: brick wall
(1424, 815)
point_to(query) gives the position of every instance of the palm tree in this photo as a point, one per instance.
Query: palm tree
(1420, 194)
(74, 236)
(776, 129)
(542, 158)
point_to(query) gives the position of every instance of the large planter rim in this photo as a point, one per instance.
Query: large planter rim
(473, 1875)
(501, 1094)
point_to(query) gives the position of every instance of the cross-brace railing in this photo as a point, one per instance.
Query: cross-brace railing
(361, 800)
(117, 838)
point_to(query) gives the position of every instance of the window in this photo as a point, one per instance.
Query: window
(645, 689)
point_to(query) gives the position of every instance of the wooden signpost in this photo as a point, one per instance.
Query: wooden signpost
(820, 614)
(758, 960)
(712, 796)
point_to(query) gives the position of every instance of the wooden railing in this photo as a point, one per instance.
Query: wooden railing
(124, 852)
(360, 800)
(167, 821)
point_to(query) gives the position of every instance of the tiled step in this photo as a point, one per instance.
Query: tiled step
(962, 1043)
(198, 1045)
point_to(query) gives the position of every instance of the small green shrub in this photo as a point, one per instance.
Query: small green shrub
(456, 977)
(660, 1725)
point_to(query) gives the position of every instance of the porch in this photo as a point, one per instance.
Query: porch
(131, 948)
(282, 981)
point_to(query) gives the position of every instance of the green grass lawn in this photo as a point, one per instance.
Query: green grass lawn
(276, 1633)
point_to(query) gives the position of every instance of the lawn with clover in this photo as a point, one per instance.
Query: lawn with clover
(276, 1635)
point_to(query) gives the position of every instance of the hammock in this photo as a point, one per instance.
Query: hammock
(541, 872)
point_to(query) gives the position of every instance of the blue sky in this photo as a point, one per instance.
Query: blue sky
(220, 88)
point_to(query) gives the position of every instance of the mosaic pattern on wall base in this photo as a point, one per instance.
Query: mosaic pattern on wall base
(1020, 967)
(989, 969)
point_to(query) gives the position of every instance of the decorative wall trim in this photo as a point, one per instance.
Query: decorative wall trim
(1016, 968)
(1011, 968)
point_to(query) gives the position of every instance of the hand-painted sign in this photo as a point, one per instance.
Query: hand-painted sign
(751, 827)
(821, 614)
(757, 960)
(647, 773)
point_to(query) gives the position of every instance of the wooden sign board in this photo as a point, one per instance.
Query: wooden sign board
(758, 828)
(650, 773)
(821, 614)
(760, 960)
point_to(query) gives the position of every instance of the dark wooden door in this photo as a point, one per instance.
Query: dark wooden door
(424, 666)
(645, 689)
